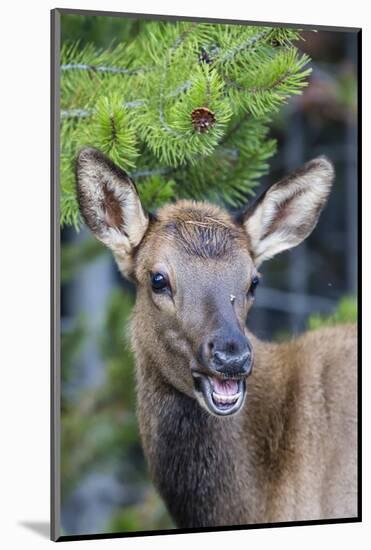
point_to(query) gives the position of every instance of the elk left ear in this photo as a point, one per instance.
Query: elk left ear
(110, 205)
(289, 210)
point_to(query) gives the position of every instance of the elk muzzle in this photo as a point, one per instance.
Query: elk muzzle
(226, 361)
(229, 355)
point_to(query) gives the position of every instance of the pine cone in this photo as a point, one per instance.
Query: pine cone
(202, 119)
(204, 57)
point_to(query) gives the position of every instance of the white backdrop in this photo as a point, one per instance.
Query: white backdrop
(24, 298)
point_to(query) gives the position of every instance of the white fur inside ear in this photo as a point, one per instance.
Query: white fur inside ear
(109, 202)
(289, 210)
(134, 220)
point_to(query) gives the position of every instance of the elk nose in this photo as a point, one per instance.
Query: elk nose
(229, 356)
(237, 363)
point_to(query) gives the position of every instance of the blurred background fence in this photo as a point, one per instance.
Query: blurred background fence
(105, 484)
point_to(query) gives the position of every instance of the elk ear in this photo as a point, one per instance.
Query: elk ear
(110, 205)
(289, 210)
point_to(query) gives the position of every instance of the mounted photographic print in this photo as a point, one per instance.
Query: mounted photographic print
(205, 209)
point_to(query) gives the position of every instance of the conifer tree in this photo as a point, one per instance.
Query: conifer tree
(184, 107)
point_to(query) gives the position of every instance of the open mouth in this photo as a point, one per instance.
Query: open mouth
(221, 396)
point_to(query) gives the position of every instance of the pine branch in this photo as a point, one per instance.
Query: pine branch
(235, 128)
(154, 172)
(185, 108)
(178, 42)
(101, 69)
(233, 52)
(76, 113)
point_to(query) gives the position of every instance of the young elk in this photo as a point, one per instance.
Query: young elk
(235, 430)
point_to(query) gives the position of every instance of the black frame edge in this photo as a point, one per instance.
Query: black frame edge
(359, 275)
(309, 523)
(55, 275)
(73, 11)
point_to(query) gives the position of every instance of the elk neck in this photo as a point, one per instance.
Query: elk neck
(200, 463)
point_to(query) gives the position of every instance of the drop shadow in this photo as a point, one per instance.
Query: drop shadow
(42, 528)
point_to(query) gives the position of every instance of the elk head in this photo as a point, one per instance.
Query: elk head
(196, 269)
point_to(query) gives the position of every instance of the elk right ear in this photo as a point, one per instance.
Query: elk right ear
(110, 205)
(288, 211)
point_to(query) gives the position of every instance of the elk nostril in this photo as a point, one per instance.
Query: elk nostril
(219, 358)
(245, 356)
(210, 346)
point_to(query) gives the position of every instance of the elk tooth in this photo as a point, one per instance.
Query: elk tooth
(225, 398)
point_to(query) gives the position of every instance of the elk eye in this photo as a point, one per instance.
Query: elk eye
(254, 284)
(159, 282)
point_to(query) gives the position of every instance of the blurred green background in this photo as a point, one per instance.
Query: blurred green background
(105, 483)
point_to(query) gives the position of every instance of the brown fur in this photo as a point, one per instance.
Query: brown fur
(290, 453)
